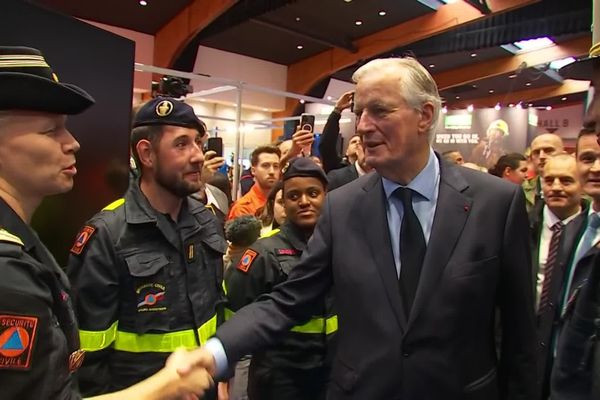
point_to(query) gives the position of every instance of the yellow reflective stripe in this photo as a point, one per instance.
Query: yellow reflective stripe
(208, 329)
(224, 287)
(228, 313)
(315, 325)
(6, 236)
(148, 342)
(270, 233)
(97, 340)
(114, 205)
(331, 325)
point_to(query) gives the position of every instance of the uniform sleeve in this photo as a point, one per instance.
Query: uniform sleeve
(33, 352)
(95, 284)
(250, 277)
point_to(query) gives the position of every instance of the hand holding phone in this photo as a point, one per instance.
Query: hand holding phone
(215, 144)
(307, 123)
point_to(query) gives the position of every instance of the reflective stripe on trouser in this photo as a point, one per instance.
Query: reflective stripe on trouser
(148, 342)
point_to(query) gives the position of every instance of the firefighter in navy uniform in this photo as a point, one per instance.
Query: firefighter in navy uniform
(147, 270)
(39, 339)
(298, 367)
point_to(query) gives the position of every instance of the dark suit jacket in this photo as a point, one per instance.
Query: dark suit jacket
(339, 177)
(477, 260)
(550, 321)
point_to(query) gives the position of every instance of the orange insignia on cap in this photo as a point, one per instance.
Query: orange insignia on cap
(246, 261)
(82, 238)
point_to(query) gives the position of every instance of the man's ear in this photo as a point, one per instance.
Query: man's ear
(145, 153)
(426, 118)
(253, 170)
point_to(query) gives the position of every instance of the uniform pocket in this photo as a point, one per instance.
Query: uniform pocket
(150, 282)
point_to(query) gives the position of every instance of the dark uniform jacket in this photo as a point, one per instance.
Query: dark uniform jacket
(38, 333)
(143, 286)
(265, 264)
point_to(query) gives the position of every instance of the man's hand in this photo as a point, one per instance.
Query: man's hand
(192, 384)
(300, 140)
(344, 102)
(197, 358)
(212, 163)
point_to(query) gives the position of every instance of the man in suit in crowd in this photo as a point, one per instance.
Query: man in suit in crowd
(341, 176)
(421, 254)
(542, 147)
(561, 207)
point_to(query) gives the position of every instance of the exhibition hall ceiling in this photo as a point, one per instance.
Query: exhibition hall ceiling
(472, 62)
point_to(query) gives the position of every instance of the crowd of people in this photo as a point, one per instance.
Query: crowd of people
(388, 272)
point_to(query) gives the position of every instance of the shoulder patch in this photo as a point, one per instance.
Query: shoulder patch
(82, 238)
(246, 261)
(17, 337)
(6, 236)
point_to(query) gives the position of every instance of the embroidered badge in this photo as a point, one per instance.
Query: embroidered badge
(17, 337)
(246, 261)
(75, 360)
(164, 108)
(151, 297)
(82, 238)
(191, 254)
(287, 252)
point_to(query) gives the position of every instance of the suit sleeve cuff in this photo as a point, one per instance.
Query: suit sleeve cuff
(215, 347)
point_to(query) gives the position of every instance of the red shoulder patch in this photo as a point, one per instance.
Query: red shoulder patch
(17, 337)
(246, 261)
(82, 238)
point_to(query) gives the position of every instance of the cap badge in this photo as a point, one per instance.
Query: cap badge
(164, 108)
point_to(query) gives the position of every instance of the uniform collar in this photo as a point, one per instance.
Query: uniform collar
(10, 221)
(295, 235)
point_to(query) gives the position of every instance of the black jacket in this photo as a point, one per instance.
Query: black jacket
(329, 143)
(39, 341)
(143, 286)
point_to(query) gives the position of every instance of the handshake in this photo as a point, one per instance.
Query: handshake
(186, 375)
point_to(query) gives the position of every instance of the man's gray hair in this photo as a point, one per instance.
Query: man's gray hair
(417, 86)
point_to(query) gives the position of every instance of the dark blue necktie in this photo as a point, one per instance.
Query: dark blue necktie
(412, 249)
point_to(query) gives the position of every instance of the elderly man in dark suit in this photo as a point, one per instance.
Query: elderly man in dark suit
(421, 255)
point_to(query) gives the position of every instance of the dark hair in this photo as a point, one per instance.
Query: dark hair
(266, 214)
(152, 133)
(511, 161)
(263, 149)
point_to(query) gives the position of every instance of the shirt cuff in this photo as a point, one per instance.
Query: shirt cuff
(215, 347)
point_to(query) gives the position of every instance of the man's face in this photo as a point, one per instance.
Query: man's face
(588, 164)
(517, 175)
(302, 200)
(353, 146)
(456, 158)
(542, 147)
(392, 132)
(278, 208)
(266, 171)
(37, 153)
(179, 160)
(285, 147)
(495, 136)
(561, 187)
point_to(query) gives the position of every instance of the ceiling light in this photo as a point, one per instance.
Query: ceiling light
(519, 106)
(513, 76)
(491, 91)
(457, 97)
(302, 101)
(497, 107)
(431, 65)
(528, 84)
(299, 47)
(473, 54)
(347, 1)
(382, 13)
(297, 19)
(143, 3)
(558, 64)
(470, 108)
(511, 105)
(444, 109)
(548, 108)
(530, 105)
(358, 22)
(329, 98)
(474, 86)
(534, 44)
(564, 99)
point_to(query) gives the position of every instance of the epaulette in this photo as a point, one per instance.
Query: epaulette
(114, 205)
(272, 232)
(7, 237)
